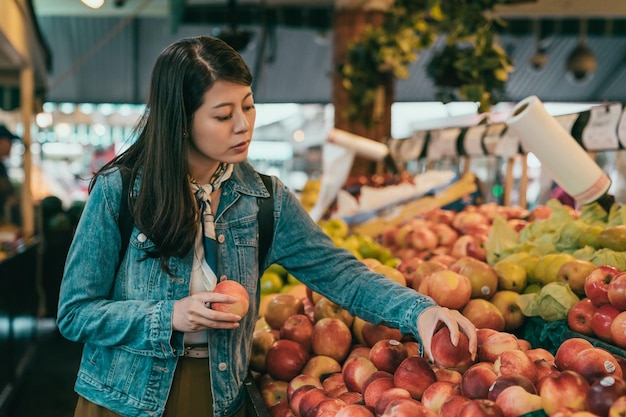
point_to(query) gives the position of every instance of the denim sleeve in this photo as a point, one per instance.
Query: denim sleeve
(311, 256)
(87, 311)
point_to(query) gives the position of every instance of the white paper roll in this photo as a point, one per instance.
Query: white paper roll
(567, 162)
(364, 147)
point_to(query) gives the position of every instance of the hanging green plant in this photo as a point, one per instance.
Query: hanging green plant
(471, 66)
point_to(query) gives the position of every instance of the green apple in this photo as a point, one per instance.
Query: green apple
(511, 276)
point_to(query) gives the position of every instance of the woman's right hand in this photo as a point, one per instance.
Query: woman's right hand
(194, 313)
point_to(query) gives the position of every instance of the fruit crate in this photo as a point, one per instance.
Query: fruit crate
(550, 335)
(255, 406)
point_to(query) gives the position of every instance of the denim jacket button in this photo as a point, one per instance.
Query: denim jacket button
(221, 238)
(141, 237)
(223, 278)
(222, 366)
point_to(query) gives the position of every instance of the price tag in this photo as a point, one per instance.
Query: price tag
(442, 144)
(473, 140)
(492, 137)
(600, 134)
(508, 145)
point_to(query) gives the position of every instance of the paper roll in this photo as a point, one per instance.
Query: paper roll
(567, 162)
(364, 147)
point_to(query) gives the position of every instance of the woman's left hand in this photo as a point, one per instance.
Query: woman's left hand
(428, 321)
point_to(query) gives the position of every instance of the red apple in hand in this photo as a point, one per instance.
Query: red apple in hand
(601, 322)
(597, 284)
(446, 355)
(235, 289)
(617, 291)
(579, 316)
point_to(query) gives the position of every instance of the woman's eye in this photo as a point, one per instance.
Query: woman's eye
(224, 118)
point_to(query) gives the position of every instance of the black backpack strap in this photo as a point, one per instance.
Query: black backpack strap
(266, 219)
(125, 221)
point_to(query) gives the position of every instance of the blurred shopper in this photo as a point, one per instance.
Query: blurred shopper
(8, 199)
(153, 346)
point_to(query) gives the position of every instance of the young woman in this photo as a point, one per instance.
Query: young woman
(152, 344)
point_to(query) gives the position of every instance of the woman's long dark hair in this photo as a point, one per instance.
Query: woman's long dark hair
(165, 209)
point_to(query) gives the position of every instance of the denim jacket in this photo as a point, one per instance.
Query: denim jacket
(124, 318)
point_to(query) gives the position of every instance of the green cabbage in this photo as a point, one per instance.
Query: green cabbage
(552, 303)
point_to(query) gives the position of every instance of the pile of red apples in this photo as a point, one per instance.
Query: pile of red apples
(602, 312)
(312, 359)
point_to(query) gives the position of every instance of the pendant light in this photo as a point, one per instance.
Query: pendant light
(94, 4)
(581, 62)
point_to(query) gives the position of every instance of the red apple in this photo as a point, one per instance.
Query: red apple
(351, 397)
(298, 328)
(452, 406)
(482, 276)
(504, 381)
(424, 269)
(373, 390)
(495, 344)
(412, 348)
(324, 308)
(595, 363)
(282, 409)
(280, 307)
(603, 393)
(285, 359)
(515, 401)
(563, 389)
(477, 380)
(328, 407)
(567, 352)
(484, 314)
(356, 370)
(414, 374)
(446, 355)
(618, 330)
(404, 407)
(320, 365)
(446, 235)
(273, 392)
(387, 354)
(597, 284)
(448, 375)
(601, 322)
(354, 410)
(469, 245)
(235, 289)
(515, 362)
(540, 353)
(423, 238)
(299, 381)
(437, 393)
(481, 408)
(617, 291)
(453, 290)
(262, 341)
(372, 333)
(331, 337)
(308, 401)
(334, 384)
(579, 316)
(388, 396)
(359, 350)
(544, 368)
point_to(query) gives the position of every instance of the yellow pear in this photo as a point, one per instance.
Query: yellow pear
(511, 276)
(552, 271)
(529, 263)
(574, 272)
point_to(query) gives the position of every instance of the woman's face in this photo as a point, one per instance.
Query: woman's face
(221, 129)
